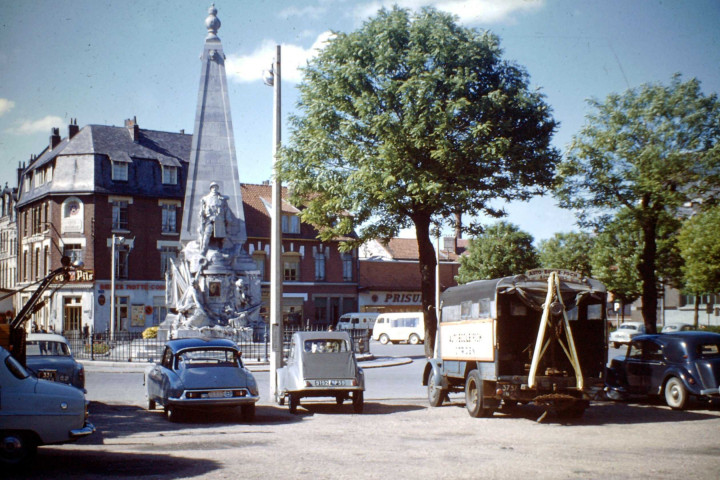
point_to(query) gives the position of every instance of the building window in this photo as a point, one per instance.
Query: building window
(320, 266)
(119, 215)
(46, 261)
(122, 311)
(291, 269)
(347, 263)
(166, 255)
(260, 262)
(169, 218)
(120, 171)
(321, 309)
(159, 310)
(169, 175)
(36, 263)
(73, 251)
(290, 224)
(121, 263)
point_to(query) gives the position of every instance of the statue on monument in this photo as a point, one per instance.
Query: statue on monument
(215, 217)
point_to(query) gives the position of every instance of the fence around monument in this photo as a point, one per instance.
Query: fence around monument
(132, 347)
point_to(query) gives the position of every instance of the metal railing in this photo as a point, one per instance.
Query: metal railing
(132, 347)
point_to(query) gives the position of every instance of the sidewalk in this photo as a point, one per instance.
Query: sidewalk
(365, 361)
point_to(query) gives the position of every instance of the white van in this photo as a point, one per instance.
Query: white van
(400, 327)
(357, 321)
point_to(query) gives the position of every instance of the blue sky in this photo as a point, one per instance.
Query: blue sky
(104, 61)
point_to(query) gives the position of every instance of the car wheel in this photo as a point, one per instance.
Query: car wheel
(358, 402)
(436, 394)
(339, 399)
(151, 404)
(293, 402)
(675, 393)
(616, 344)
(247, 412)
(414, 339)
(279, 398)
(384, 339)
(16, 448)
(474, 396)
(172, 414)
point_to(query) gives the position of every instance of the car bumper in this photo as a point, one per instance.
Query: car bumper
(710, 392)
(86, 430)
(213, 402)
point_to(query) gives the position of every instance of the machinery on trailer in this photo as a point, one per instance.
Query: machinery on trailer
(535, 338)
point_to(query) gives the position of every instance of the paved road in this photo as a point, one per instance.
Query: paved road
(398, 437)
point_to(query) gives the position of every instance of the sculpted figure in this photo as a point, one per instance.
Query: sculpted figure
(214, 218)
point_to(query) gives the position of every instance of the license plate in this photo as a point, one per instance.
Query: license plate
(220, 394)
(331, 383)
(47, 374)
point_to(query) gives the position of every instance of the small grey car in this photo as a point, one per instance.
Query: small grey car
(321, 364)
(200, 373)
(49, 357)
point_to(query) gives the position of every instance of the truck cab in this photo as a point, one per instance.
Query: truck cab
(532, 338)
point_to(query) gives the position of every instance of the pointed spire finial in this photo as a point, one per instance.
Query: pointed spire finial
(212, 23)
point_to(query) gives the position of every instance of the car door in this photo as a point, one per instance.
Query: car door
(157, 377)
(637, 371)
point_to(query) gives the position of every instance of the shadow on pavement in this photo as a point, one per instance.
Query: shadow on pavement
(317, 407)
(58, 464)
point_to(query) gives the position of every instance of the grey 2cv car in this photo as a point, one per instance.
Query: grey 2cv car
(200, 373)
(321, 364)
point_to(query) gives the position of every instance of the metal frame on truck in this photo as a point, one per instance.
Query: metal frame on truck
(533, 338)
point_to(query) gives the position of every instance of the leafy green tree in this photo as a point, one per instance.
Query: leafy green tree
(569, 251)
(407, 121)
(502, 250)
(700, 250)
(648, 151)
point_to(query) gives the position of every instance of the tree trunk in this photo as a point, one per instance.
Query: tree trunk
(647, 274)
(426, 253)
(696, 312)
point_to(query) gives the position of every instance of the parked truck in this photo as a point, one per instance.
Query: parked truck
(534, 338)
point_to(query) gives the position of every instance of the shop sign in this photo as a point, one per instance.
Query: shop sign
(396, 298)
(76, 276)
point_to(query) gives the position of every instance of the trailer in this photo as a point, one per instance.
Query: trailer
(535, 338)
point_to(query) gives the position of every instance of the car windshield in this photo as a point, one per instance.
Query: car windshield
(208, 358)
(628, 327)
(325, 346)
(36, 348)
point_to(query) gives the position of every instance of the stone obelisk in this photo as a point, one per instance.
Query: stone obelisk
(213, 287)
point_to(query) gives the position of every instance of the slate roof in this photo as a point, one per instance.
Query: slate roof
(406, 249)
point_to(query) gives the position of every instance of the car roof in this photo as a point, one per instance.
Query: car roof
(322, 335)
(690, 336)
(46, 337)
(632, 323)
(184, 343)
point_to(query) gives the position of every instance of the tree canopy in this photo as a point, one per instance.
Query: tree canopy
(700, 250)
(502, 250)
(569, 251)
(407, 121)
(647, 152)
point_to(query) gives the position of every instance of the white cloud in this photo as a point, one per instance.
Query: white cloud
(469, 11)
(29, 127)
(249, 68)
(5, 106)
(304, 12)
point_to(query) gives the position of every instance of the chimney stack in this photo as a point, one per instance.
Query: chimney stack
(73, 128)
(54, 138)
(133, 129)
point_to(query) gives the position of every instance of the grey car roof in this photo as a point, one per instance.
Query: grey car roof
(322, 335)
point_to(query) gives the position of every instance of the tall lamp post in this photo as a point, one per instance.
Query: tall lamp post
(272, 78)
(113, 265)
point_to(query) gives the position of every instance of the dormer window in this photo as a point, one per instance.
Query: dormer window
(119, 171)
(169, 175)
(290, 224)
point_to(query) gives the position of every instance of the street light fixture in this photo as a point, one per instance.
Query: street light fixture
(272, 78)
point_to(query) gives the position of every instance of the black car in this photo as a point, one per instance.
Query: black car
(674, 365)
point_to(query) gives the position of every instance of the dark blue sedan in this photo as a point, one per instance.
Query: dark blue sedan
(673, 365)
(49, 357)
(200, 373)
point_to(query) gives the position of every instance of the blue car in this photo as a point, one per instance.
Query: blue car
(674, 365)
(49, 357)
(201, 373)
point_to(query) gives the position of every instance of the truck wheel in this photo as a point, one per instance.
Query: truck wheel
(384, 339)
(339, 399)
(151, 404)
(16, 448)
(436, 394)
(293, 402)
(675, 393)
(358, 402)
(414, 339)
(474, 396)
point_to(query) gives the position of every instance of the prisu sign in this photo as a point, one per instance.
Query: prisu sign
(396, 298)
